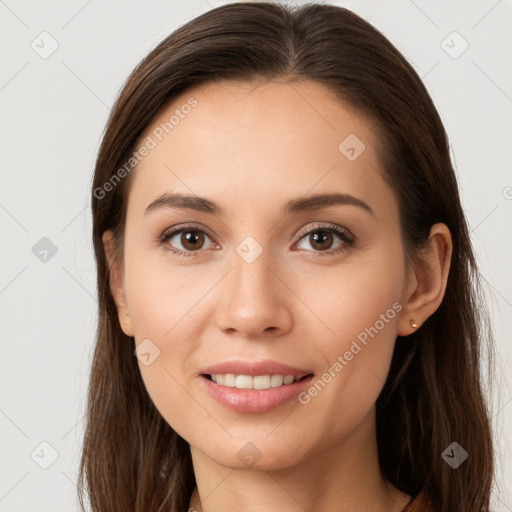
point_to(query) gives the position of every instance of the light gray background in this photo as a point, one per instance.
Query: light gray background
(53, 112)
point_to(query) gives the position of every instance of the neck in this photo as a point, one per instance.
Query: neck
(343, 477)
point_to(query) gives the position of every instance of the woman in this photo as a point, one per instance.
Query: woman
(289, 303)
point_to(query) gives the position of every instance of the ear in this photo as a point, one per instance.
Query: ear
(427, 280)
(116, 281)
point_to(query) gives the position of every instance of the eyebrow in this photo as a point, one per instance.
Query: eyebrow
(294, 206)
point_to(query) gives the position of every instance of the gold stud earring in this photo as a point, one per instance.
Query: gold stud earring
(413, 324)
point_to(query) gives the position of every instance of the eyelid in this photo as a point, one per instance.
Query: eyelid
(326, 226)
(167, 233)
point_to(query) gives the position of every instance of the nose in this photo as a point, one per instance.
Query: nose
(255, 303)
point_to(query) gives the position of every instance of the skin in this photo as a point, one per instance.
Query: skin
(250, 148)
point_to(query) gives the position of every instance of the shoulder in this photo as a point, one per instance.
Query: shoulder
(420, 503)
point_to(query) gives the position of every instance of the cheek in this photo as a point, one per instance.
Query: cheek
(170, 306)
(164, 328)
(361, 307)
(159, 295)
(354, 298)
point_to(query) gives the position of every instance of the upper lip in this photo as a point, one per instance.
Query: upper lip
(254, 368)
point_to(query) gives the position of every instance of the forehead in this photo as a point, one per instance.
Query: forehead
(258, 141)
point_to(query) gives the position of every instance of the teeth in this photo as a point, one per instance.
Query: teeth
(259, 382)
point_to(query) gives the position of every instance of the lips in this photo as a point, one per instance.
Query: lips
(261, 398)
(255, 368)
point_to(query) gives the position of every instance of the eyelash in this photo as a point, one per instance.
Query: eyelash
(348, 240)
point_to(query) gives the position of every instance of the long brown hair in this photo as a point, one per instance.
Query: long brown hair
(132, 460)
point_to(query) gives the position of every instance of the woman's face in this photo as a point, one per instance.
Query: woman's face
(260, 281)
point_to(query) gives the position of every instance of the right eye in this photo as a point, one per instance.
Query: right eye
(190, 238)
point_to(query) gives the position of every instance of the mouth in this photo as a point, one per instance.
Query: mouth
(257, 382)
(254, 393)
(254, 386)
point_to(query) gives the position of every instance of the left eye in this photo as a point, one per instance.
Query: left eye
(321, 239)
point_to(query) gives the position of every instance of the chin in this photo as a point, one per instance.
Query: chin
(257, 456)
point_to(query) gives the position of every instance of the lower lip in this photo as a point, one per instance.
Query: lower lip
(254, 400)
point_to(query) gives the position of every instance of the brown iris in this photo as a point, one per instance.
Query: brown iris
(320, 238)
(192, 240)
